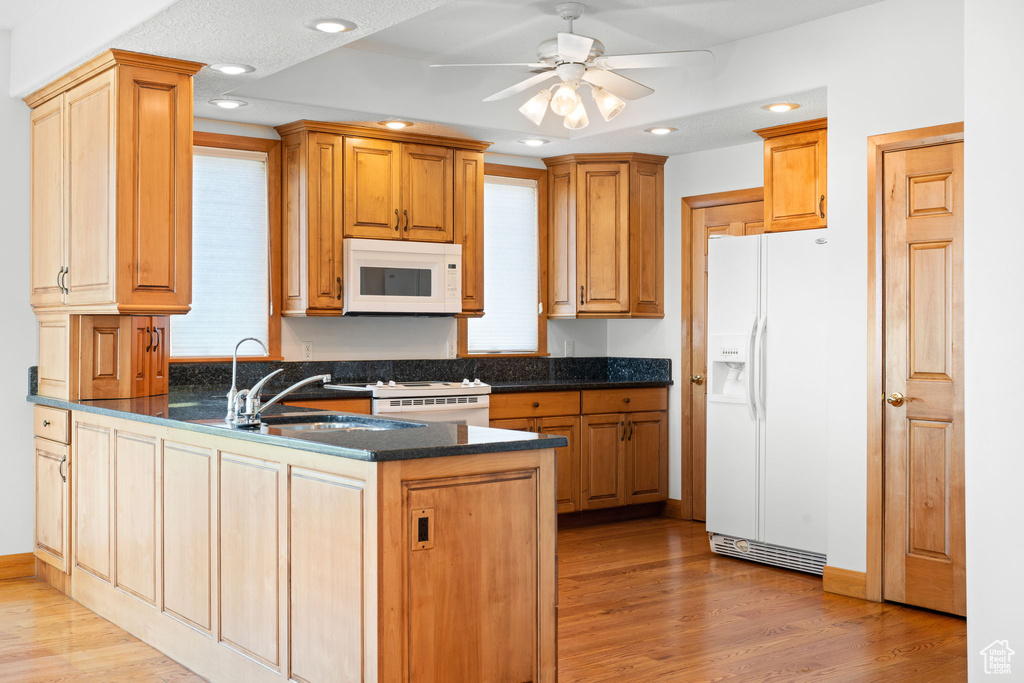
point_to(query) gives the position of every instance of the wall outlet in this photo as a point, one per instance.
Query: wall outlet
(307, 350)
(570, 348)
(450, 350)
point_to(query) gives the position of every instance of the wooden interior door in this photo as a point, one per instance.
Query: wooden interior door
(603, 462)
(427, 189)
(736, 219)
(602, 231)
(372, 172)
(923, 439)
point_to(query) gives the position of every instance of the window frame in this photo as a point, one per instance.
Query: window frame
(541, 176)
(272, 148)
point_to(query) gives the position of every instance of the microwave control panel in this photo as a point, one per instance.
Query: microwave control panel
(451, 280)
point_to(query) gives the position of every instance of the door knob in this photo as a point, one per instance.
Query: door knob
(895, 399)
(697, 379)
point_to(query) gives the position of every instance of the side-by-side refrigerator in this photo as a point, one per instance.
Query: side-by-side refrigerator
(766, 476)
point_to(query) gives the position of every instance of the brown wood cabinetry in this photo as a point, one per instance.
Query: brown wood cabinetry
(606, 236)
(52, 499)
(123, 356)
(112, 187)
(341, 181)
(795, 176)
(345, 405)
(567, 468)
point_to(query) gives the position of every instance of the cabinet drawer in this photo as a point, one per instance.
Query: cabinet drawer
(51, 423)
(344, 405)
(535, 404)
(624, 400)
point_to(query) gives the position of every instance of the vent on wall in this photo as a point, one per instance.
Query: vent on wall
(788, 558)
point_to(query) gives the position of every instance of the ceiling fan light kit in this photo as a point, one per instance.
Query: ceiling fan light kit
(577, 118)
(607, 103)
(537, 106)
(566, 101)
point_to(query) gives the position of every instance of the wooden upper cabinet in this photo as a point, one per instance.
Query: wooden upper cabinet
(469, 227)
(372, 186)
(112, 187)
(795, 176)
(606, 236)
(427, 188)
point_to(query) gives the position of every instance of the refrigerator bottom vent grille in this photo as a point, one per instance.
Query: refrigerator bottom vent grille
(789, 558)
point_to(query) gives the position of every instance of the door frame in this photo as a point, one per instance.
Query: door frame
(878, 145)
(688, 205)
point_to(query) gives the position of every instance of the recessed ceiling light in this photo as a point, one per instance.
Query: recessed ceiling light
(227, 103)
(331, 25)
(662, 130)
(781, 106)
(534, 142)
(395, 125)
(232, 69)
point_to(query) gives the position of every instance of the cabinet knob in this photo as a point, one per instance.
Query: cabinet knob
(627, 399)
(536, 404)
(46, 423)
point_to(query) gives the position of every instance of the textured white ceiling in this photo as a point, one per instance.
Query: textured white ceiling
(14, 12)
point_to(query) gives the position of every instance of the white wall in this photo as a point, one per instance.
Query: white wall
(994, 283)
(888, 67)
(18, 342)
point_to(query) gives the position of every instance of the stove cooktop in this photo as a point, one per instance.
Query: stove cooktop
(399, 389)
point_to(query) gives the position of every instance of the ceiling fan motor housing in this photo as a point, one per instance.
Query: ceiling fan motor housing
(548, 51)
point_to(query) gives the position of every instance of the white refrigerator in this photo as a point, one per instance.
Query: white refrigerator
(766, 409)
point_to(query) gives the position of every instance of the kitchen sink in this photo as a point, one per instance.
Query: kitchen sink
(328, 422)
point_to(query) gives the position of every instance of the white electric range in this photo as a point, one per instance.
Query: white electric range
(466, 402)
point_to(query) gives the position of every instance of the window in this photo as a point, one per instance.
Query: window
(513, 230)
(231, 254)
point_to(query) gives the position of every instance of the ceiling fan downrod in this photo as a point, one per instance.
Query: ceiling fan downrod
(570, 11)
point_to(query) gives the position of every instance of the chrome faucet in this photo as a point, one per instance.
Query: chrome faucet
(233, 392)
(247, 406)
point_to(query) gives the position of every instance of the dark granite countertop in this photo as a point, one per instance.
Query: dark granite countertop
(569, 385)
(201, 411)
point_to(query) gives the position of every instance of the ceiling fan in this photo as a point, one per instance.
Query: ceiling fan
(576, 59)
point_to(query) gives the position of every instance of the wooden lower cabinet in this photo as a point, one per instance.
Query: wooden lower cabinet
(603, 476)
(250, 562)
(646, 467)
(567, 458)
(52, 510)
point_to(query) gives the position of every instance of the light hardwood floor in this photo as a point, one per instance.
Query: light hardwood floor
(639, 601)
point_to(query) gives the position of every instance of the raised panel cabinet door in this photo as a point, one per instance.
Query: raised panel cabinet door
(154, 198)
(136, 536)
(924, 521)
(602, 451)
(105, 362)
(159, 356)
(57, 334)
(646, 457)
(427, 191)
(324, 223)
(92, 497)
(795, 171)
(372, 201)
(294, 225)
(52, 511)
(567, 469)
(47, 201)
(602, 235)
(469, 226)
(563, 294)
(91, 251)
(647, 240)
(474, 606)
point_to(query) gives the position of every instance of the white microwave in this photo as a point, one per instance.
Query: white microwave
(398, 277)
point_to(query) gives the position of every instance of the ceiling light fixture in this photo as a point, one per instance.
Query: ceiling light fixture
(609, 105)
(534, 142)
(395, 125)
(577, 118)
(537, 106)
(228, 103)
(781, 106)
(566, 100)
(233, 69)
(331, 25)
(661, 130)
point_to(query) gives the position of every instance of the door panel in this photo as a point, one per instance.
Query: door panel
(372, 188)
(924, 547)
(135, 521)
(646, 251)
(158, 356)
(52, 514)
(469, 226)
(427, 191)
(602, 447)
(325, 222)
(92, 499)
(646, 457)
(48, 202)
(562, 293)
(567, 482)
(603, 236)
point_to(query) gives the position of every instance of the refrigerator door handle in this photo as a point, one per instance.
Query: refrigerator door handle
(759, 366)
(751, 368)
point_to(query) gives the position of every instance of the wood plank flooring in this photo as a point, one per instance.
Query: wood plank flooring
(639, 601)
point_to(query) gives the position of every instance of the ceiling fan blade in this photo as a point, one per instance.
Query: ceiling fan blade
(519, 87)
(654, 60)
(528, 65)
(626, 88)
(574, 48)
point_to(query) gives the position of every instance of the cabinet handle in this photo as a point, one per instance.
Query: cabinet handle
(60, 279)
(339, 284)
(581, 295)
(821, 206)
(630, 438)
(157, 333)
(536, 404)
(149, 345)
(396, 220)
(60, 468)
(623, 425)
(46, 423)
(405, 212)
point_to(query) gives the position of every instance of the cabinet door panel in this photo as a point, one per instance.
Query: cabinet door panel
(525, 424)
(159, 356)
(371, 188)
(135, 520)
(647, 240)
(91, 248)
(106, 355)
(795, 169)
(324, 222)
(294, 188)
(427, 193)
(92, 499)
(563, 293)
(646, 457)
(469, 226)
(52, 467)
(567, 483)
(602, 460)
(603, 237)
(48, 168)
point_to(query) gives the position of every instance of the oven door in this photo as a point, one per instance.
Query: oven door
(417, 278)
(464, 410)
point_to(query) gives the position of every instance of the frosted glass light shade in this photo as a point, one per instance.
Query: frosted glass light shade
(565, 100)
(608, 104)
(536, 107)
(577, 119)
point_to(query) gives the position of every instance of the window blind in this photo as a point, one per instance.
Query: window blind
(230, 254)
(509, 324)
